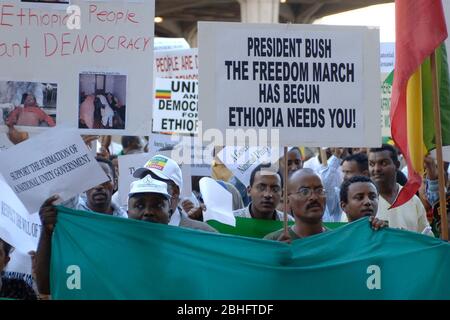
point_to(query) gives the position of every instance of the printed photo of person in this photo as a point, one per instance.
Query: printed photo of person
(102, 101)
(28, 103)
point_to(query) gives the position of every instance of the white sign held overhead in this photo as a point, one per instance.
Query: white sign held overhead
(218, 202)
(178, 64)
(175, 106)
(87, 69)
(54, 162)
(242, 160)
(318, 85)
(17, 226)
(127, 166)
(170, 43)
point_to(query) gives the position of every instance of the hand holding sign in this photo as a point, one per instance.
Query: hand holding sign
(54, 162)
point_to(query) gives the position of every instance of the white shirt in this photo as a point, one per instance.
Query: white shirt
(410, 216)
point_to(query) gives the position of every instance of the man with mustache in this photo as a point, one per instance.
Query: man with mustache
(383, 166)
(265, 191)
(306, 201)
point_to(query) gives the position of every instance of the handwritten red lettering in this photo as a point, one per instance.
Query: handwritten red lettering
(111, 16)
(63, 42)
(102, 40)
(107, 42)
(46, 36)
(122, 40)
(131, 15)
(92, 9)
(146, 43)
(43, 19)
(21, 15)
(14, 49)
(4, 23)
(82, 46)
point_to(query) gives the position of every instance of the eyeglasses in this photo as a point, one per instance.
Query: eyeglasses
(263, 187)
(307, 192)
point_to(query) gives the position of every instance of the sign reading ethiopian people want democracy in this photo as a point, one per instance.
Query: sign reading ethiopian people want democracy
(96, 50)
(317, 84)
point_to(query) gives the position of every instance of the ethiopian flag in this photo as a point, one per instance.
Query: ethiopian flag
(420, 30)
(163, 94)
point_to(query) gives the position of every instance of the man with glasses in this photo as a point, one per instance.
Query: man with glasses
(306, 201)
(265, 191)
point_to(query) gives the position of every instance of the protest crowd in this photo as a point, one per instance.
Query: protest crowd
(274, 201)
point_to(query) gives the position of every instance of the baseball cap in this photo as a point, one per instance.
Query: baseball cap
(163, 167)
(149, 185)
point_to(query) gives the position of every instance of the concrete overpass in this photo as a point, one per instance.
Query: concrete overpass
(180, 16)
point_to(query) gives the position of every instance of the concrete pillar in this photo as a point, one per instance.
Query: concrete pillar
(259, 11)
(192, 37)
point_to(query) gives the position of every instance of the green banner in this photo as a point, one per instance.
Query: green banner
(258, 228)
(102, 257)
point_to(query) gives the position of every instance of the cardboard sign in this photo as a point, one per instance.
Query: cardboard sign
(318, 85)
(128, 165)
(17, 226)
(218, 202)
(54, 162)
(175, 106)
(178, 64)
(162, 44)
(88, 67)
(241, 161)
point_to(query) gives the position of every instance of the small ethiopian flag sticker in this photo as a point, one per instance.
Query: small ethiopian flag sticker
(163, 94)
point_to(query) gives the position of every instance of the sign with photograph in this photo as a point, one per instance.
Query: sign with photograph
(85, 67)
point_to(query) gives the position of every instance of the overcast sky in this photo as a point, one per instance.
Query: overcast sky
(382, 16)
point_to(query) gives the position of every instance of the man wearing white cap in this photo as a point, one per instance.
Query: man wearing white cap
(167, 170)
(148, 200)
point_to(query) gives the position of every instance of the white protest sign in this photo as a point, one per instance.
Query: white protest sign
(386, 93)
(178, 64)
(242, 160)
(218, 202)
(170, 43)
(159, 141)
(19, 267)
(127, 166)
(318, 85)
(54, 162)
(87, 68)
(185, 150)
(5, 143)
(175, 106)
(17, 226)
(387, 57)
(387, 60)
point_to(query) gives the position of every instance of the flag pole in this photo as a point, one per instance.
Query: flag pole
(323, 156)
(285, 179)
(438, 140)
